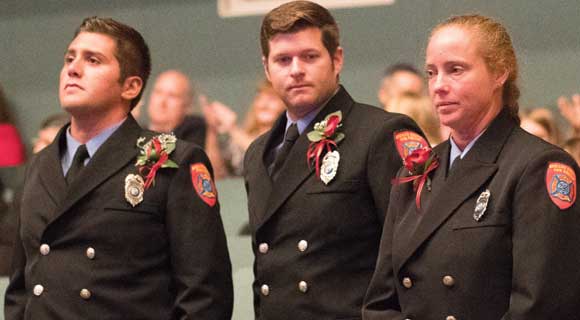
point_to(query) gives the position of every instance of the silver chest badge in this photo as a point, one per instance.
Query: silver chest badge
(134, 188)
(481, 205)
(329, 166)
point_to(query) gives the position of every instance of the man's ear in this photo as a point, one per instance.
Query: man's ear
(337, 60)
(131, 87)
(265, 65)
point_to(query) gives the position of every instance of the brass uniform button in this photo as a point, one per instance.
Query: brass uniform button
(448, 281)
(91, 253)
(37, 290)
(85, 294)
(407, 282)
(44, 249)
(303, 286)
(265, 290)
(302, 245)
(263, 248)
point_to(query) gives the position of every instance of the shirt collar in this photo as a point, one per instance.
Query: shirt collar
(92, 145)
(303, 122)
(456, 152)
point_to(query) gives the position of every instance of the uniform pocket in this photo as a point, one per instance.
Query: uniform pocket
(488, 220)
(345, 186)
(144, 207)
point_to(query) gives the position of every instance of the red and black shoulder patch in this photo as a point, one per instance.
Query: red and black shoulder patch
(561, 184)
(408, 141)
(203, 184)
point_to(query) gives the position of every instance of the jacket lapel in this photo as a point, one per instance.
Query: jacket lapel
(296, 169)
(111, 157)
(261, 191)
(475, 169)
(50, 168)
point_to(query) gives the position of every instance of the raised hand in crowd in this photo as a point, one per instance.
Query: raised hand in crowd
(570, 110)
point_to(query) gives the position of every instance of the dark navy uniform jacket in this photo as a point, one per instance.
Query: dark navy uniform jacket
(316, 245)
(519, 260)
(84, 252)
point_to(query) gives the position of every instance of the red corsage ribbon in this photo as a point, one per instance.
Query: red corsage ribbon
(315, 150)
(154, 155)
(420, 163)
(324, 137)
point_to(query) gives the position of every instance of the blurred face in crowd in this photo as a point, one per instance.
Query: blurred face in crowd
(268, 107)
(170, 100)
(301, 70)
(89, 79)
(465, 93)
(397, 84)
(535, 128)
(45, 137)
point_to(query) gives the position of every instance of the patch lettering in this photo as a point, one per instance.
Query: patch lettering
(561, 184)
(203, 184)
(408, 141)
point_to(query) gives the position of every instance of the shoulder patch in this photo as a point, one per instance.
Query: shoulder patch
(203, 184)
(408, 141)
(561, 184)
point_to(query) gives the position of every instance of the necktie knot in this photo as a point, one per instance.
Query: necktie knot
(290, 137)
(291, 134)
(78, 163)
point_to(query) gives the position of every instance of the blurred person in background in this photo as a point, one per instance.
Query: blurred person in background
(170, 107)
(541, 123)
(572, 146)
(420, 109)
(570, 110)
(11, 147)
(229, 141)
(398, 79)
(12, 155)
(48, 130)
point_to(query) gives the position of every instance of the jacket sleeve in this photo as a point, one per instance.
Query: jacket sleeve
(248, 158)
(16, 297)
(545, 245)
(381, 302)
(200, 260)
(384, 161)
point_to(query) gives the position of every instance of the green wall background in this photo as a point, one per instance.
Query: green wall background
(223, 57)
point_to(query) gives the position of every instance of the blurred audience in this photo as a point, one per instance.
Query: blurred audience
(541, 123)
(171, 106)
(48, 130)
(11, 155)
(11, 146)
(227, 141)
(570, 110)
(398, 79)
(420, 109)
(572, 146)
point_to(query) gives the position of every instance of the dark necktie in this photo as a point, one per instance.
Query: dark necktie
(78, 163)
(289, 139)
(454, 165)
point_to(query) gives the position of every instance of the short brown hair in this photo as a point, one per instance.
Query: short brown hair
(497, 51)
(132, 50)
(298, 15)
